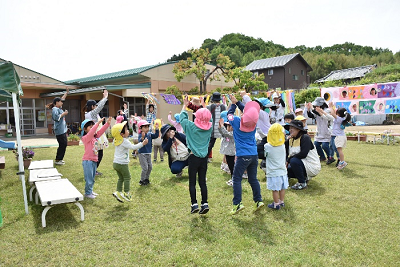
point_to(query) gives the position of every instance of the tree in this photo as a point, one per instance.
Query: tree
(196, 64)
(245, 79)
(174, 90)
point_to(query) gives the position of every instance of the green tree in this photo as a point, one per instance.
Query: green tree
(245, 79)
(196, 64)
(306, 95)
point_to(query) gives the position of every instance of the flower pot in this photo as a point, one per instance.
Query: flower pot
(355, 138)
(27, 162)
(72, 143)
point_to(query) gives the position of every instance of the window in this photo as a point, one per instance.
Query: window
(295, 77)
(270, 72)
(302, 72)
(255, 73)
(290, 70)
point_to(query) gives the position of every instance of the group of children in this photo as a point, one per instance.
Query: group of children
(238, 145)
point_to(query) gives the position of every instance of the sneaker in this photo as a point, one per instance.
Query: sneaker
(91, 196)
(259, 205)
(226, 169)
(59, 162)
(244, 176)
(162, 160)
(126, 196)
(342, 165)
(237, 208)
(142, 182)
(299, 186)
(147, 181)
(272, 206)
(99, 173)
(95, 194)
(204, 208)
(230, 182)
(179, 175)
(209, 160)
(194, 208)
(330, 160)
(134, 155)
(223, 166)
(282, 204)
(337, 162)
(118, 196)
(155, 160)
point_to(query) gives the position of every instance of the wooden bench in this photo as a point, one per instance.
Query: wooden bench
(2, 162)
(55, 192)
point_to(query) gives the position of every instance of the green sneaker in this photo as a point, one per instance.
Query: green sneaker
(127, 196)
(259, 205)
(237, 208)
(118, 196)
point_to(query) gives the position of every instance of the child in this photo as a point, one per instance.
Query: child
(244, 130)
(145, 151)
(275, 152)
(90, 157)
(278, 110)
(303, 120)
(122, 145)
(151, 112)
(341, 118)
(198, 134)
(227, 145)
(175, 122)
(158, 141)
(288, 119)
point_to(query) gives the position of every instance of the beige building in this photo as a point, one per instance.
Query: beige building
(127, 85)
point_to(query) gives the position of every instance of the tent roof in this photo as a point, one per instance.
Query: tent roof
(9, 82)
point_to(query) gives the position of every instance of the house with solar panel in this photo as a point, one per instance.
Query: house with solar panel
(284, 72)
(347, 75)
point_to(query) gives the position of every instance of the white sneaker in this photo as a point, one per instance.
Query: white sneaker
(245, 176)
(209, 160)
(60, 162)
(179, 175)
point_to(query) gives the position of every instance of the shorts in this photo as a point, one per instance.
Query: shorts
(277, 183)
(340, 141)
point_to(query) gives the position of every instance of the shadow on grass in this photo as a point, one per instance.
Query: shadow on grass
(200, 228)
(255, 227)
(118, 212)
(58, 218)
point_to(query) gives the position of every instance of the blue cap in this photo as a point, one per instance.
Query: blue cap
(224, 115)
(83, 126)
(264, 101)
(176, 116)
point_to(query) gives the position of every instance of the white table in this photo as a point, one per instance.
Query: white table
(59, 191)
(40, 175)
(41, 164)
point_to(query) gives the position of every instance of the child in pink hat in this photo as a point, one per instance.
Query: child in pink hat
(198, 135)
(244, 130)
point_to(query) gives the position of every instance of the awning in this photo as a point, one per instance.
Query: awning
(98, 89)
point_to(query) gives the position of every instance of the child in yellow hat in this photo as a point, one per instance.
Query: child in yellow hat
(275, 153)
(122, 145)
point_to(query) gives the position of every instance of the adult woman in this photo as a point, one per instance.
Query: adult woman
(92, 113)
(174, 143)
(278, 110)
(302, 158)
(60, 127)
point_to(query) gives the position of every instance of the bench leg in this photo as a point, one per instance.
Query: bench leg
(46, 209)
(82, 211)
(31, 192)
(37, 198)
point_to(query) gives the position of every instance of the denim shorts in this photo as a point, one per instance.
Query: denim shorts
(277, 183)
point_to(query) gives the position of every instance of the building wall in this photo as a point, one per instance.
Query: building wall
(294, 67)
(276, 80)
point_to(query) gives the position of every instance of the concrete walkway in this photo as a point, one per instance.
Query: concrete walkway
(36, 141)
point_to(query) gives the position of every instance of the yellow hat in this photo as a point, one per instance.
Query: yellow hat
(276, 135)
(300, 118)
(159, 124)
(116, 133)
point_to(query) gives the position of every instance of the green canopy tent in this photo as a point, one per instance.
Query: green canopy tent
(11, 90)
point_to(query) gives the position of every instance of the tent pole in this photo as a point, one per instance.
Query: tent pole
(21, 172)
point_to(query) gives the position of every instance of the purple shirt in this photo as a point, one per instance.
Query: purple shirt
(336, 130)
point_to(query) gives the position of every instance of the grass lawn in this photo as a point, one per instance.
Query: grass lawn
(344, 218)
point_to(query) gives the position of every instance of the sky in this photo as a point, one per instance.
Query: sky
(79, 38)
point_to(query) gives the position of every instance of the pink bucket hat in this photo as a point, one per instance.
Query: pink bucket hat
(250, 116)
(120, 119)
(298, 110)
(203, 117)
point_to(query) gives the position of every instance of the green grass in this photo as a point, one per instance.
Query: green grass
(344, 218)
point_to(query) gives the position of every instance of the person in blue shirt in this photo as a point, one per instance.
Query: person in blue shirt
(60, 126)
(145, 151)
(244, 129)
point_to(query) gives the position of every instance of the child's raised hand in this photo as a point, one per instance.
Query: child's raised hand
(221, 122)
(145, 141)
(109, 120)
(102, 119)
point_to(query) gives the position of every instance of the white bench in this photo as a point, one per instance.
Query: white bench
(58, 191)
(41, 164)
(40, 175)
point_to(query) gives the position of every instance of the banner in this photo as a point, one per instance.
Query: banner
(365, 99)
(151, 97)
(171, 99)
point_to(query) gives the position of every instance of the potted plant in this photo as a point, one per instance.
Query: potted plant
(73, 140)
(354, 137)
(110, 138)
(27, 155)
